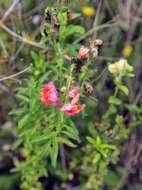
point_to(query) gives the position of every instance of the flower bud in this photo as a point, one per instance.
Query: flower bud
(113, 69)
(84, 53)
(63, 89)
(94, 52)
(98, 42)
(69, 15)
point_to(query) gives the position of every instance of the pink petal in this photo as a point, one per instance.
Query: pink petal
(75, 99)
(52, 97)
(74, 92)
(67, 107)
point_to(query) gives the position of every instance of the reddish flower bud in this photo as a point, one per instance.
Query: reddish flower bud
(98, 42)
(84, 53)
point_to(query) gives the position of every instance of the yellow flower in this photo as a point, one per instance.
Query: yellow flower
(120, 66)
(123, 65)
(88, 11)
(127, 51)
(113, 69)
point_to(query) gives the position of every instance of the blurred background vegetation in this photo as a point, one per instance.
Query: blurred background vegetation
(119, 24)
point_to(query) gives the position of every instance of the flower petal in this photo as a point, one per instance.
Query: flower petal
(74, 92)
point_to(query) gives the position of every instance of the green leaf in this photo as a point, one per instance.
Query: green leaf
(7, 181)
(72, 131)
(96, 158)
(66, 141)
(54, 153)
(124, 89)
(134, 108)
(98, 141)
(23, 98)
(66, 31)
(17, 144)
(91, 140)
(75, 15)
(114, 100)
(108, 146)
(44, 137)
(70, 135)
(23, 121)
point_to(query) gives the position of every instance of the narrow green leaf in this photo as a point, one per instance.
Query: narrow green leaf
(44, 137)
(70, 135)
(66, 141)
(17, 144)
(73, 131)
(54, 153)
(96, 158)
(23, 121)
(91, 140)
(23, 98)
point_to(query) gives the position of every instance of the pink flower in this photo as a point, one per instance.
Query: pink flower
(99, 42)
(49, 95)
(83, 53)
(74, 92)
(72, 109)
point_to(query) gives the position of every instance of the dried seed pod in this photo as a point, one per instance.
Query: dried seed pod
(56, 26)
(49, 54)
(56, 29)
(110, 133)
(63, 89)
(47, 16)
(44, 32)
(54, 18)
(97, 125)
(69, 15)
(78, 62)
(94, 52)
(88, 89)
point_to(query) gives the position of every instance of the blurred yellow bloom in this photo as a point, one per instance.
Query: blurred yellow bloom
(113, 69)
(28, 37)
(120, 66)
(127, 51)
(88, 11)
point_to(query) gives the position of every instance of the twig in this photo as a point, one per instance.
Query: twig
(15, 2)
(4, 48)
(21, 38)
(17, 74)
(13, 57)
(100, 75)
(128, 168)
(107, 58)
(63, 159)
(93, 30)
(97, 19)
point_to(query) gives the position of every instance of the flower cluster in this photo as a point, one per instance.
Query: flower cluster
(49, 96)
(120, 66)
(85, 53)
